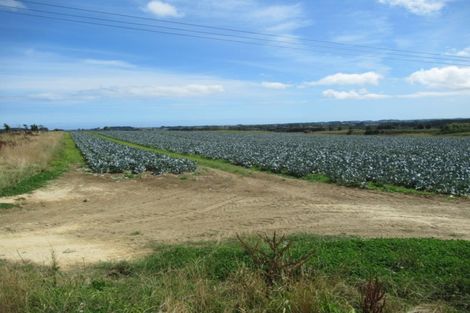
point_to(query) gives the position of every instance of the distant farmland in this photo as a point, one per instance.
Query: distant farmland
(423, 163)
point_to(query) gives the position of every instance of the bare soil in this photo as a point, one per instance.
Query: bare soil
(85, 218)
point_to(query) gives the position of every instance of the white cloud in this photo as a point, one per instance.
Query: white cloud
(275, 85)
(368, 78)
(130, 91)
(460, 53)
(163, 9)
(361, 94)
(48, 96)
(55, 78)
(110, 63)
(281, 18)
(253, 14)
(450, 77)
(12, 4)
(279, 13)
(429, 94)
(364, 94)
(287, 27)
(419, 7)
(189, 90)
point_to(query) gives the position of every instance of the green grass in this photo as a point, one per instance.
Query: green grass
(6, 206)
(220, 277)
(318, 178)
(66, 155)
(461, 134)
(399, 189)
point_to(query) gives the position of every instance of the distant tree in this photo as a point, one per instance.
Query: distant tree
(371, 131)
(6, 127)
(34, 128)
(25, 126)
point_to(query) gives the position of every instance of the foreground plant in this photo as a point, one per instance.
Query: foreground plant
(373, 297)
(276, 265)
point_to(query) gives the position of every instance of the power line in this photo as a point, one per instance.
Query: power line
(210, 33)
(461, 58)
(211, 38)
(142, 24)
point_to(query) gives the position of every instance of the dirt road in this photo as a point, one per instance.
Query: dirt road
(85, 217)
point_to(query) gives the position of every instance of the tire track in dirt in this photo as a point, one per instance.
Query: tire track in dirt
(103, 217)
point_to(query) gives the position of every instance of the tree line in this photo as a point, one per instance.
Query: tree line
(33, 128)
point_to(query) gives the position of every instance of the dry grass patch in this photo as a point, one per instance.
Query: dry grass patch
(23, 155)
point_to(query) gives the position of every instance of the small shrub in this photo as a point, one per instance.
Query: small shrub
(54, 269)
(277, 264)
(119, 269)
(373, 297)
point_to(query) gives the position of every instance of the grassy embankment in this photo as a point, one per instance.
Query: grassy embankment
(29, 162)
(228, 167)
(221, 277)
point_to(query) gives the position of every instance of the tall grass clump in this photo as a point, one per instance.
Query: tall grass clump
(23, 155)
(30, 161)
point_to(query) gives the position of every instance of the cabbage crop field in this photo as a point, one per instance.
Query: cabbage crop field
(103, 156)
(436, 164)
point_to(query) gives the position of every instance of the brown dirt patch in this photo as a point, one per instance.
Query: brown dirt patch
(86, 217)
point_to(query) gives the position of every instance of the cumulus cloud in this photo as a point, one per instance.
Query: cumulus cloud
(163, 9)
(361, 94)
(449, 77)
(368, 78)
(419, 7)
(13, 4)
(275, 85)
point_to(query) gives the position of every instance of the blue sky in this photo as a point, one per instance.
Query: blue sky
(71, 75)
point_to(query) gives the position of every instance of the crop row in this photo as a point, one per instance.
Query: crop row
(104, 156)
(428, 164)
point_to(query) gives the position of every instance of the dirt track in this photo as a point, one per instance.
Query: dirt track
(86, 218)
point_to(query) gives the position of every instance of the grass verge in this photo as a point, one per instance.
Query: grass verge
(228, 167)
(6, 206)
(399, 189)
(210, 277)
(66, 155)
